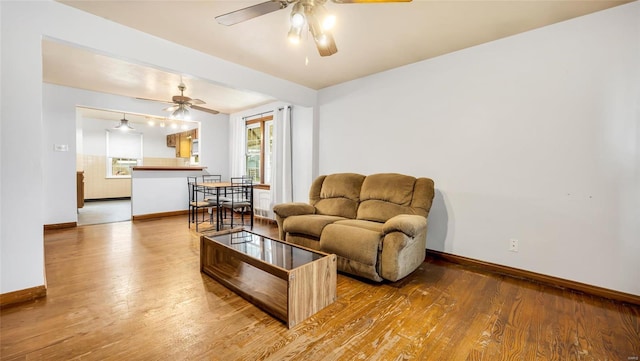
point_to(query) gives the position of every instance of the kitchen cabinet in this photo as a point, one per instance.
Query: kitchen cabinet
(171, 140)
(184, 149)
(80, 189)
(182, 142)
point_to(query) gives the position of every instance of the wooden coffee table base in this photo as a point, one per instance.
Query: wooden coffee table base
(291, 295)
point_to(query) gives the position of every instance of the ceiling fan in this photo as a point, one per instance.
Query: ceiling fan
(309, 13)
(182, 104)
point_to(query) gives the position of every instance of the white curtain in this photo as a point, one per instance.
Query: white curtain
(237, 145)
(281, 178)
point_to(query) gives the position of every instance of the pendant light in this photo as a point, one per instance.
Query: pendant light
(124, 124)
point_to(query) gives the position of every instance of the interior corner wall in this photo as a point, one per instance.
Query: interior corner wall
(535, 137)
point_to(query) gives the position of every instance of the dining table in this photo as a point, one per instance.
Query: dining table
(215, 188)
(219, 189)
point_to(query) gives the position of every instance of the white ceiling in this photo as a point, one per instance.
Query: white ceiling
(370, 38)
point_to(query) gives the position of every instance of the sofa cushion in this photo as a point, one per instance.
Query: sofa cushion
(337, 194)
(388, 194)
(308, 224)
(303, 240)
(372, 226)
(384, 196)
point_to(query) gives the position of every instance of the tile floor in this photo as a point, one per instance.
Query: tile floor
(104, 211)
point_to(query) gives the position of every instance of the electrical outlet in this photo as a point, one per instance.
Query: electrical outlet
(513, 245)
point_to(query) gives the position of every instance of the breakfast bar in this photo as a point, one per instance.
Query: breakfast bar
(160, 191)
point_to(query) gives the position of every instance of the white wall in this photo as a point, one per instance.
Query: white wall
(303, 152)
(23, 25)
(534, 137)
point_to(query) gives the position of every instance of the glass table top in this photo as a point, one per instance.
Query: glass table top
(268, 250)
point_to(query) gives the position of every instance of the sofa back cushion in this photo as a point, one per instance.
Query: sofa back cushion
(388, 194)
(336, 194)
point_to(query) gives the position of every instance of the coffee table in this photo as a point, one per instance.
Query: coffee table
(288, 281)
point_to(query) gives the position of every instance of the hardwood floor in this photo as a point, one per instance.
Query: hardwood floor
(133, 291)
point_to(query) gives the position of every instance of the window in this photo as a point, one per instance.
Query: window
(259, 140)
(124, 151)
(121, 167)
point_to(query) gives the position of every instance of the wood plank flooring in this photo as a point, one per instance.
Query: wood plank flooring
(133, 291)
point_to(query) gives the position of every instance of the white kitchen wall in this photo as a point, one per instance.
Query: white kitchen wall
(534, 137)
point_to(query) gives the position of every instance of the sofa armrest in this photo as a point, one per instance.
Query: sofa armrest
(285, 210)
(403, 246)
(411, 225)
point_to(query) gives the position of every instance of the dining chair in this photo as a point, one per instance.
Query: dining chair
(197, 201)
(211, 178)
(211, 194)
(241, 199)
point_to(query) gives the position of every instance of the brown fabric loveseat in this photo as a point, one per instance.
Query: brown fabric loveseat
(376, 224)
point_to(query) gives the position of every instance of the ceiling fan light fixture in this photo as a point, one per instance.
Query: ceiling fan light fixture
(295, 33)
(327, 21)
(322, 40)
(297, 16)
(182, 113)
(319, 35)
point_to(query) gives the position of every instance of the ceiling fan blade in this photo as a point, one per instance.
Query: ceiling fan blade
(197, 101)
(156, 100)
(369, 1)
(250, 12)
(171, 108)
(329, 48)
(205, 109)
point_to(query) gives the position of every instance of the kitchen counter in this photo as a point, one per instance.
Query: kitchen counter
(160, 191)
(156, 168)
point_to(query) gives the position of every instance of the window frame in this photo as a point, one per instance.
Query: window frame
(266, 137)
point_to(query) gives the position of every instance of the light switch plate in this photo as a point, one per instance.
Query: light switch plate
(61, 147)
